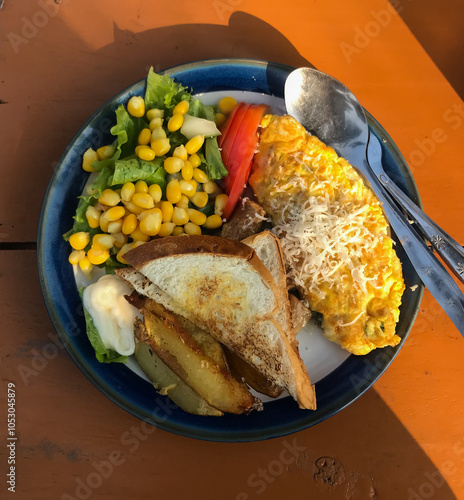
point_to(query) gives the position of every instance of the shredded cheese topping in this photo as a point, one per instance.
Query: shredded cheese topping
(322, 237)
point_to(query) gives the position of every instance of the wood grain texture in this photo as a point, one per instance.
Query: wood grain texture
(401, 440)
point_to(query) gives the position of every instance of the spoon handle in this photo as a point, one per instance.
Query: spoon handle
(430, 270)
(449, 249)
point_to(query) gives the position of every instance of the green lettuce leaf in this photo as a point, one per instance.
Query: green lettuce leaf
(127, 130)
(133, 169)
(80, 220)
(102, 354)
(163, 92)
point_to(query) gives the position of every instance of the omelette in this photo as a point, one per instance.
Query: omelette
(334, 235)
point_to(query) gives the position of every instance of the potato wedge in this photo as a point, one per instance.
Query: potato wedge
(208, 344)
(242, 370)
(167, 383)
(179, 351)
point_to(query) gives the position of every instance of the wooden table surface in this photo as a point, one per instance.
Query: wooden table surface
(59, 61)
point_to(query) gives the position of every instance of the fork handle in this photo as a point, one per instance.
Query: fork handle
(449, 249)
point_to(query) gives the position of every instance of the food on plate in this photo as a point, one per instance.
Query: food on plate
(268, 249)
(194, 225)
(158, 178)
(167, 383)
(184, 356)
(246, 220)
(110, 319)
(242, 370)
(333, 233)
(299, 312)
(222, 286)
(238, 145)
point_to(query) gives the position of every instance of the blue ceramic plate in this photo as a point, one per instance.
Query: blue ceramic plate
(349, 378)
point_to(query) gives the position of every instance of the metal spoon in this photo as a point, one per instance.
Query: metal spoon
(329, 110)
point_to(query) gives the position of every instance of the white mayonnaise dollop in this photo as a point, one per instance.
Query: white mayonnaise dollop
(112, 315)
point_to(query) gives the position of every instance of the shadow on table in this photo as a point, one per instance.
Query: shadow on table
(364, 451)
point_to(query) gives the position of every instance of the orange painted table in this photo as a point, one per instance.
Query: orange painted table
(59, 62)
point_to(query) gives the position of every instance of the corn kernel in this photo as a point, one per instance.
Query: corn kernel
(213, 222)
(175, 122)
(210, 187)
(155, 123)
(115, 226)
(143, 200)
(172, 165)
(151, 224)
(200, 176)
(136, 244)
(129, 224)
(136, 106)
(124, 249)
(144, 137)
(104, 223)
(160, 146)
(177, 231)
(187, 188)
(138, 235)
(220, 119)
(195, 160)
(173, 192)
(155, 192)
(120, 239)
(180, 216)
(227, 104)
(182, 107)
(191, 228)
(166, 210)
(127, 191)
(88, 158)
(195, 144)
(141, 187)
(183, 202)
(115, 213)
(145, 153)
(200, 199)
(105, 152)
(197, 217)
(76, 256)
(155, 113)
(166, 229)
(98, 257)
(86, 266)
(93, 217)
(102, 241)
(132, 207)
(220, 203)
(180, 152)
(79, 240)
(187, 171)
(158, 133)
(109, 198)
(155, 210)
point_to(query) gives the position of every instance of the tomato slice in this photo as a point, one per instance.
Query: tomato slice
(225, 128)
(241, 151)
(245, 142)
(232, 130)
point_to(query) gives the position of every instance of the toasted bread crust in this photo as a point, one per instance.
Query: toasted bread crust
(192, 244)
(289, 328)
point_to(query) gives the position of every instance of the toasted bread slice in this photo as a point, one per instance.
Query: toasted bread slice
(224, 288)
(268, 249)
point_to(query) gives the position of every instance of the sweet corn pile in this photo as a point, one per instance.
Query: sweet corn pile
(128, 215)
